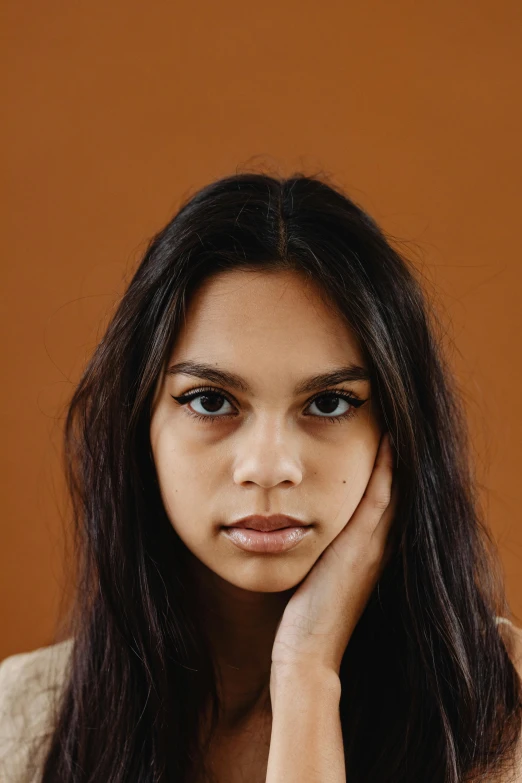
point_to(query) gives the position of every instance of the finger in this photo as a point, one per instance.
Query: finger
(377, 497)
(382, 529)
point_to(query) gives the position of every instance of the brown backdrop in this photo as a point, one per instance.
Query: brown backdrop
(115, 111)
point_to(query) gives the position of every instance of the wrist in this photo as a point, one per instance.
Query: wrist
(306, 742)
(288, 679)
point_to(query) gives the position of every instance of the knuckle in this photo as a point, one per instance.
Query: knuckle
(382, 501)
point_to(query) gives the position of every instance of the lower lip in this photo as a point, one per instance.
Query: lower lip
(268, 542)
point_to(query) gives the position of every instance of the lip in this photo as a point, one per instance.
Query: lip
(268, 523)
(266, 542)
(269, 535)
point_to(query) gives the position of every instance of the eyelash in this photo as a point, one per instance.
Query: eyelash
(209, 391)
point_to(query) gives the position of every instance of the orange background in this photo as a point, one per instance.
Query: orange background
(116, 111)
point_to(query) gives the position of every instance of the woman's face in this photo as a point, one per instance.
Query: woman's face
(271, 447)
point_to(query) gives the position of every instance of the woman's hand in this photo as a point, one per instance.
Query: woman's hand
(321, 615)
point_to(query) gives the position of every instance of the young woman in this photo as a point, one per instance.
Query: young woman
(283, 572)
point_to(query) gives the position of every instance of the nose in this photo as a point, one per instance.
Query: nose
(267, 456)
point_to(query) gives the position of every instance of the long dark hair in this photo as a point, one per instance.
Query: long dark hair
(428, 688)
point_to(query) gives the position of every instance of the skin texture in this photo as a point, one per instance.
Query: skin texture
(269, 458)
(275, 453)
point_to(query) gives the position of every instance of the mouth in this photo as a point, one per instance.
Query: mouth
(267, 535)
(267, 524)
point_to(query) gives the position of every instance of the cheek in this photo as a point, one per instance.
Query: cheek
(187, 481)
(177, 475)
(348, 481)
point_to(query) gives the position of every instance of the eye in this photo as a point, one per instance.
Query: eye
(210, 403)
(331, 405)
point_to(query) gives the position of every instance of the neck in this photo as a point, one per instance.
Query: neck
(241, 627)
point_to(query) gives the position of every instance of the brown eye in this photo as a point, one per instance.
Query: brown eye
(331, 404)
(210, 403)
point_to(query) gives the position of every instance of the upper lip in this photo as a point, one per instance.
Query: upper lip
(272, 522)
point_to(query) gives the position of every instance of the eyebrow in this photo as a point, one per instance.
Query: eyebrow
(350, 372)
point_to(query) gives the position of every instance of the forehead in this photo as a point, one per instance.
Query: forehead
(274, 320)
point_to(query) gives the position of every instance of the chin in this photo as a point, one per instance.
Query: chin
(277, 579)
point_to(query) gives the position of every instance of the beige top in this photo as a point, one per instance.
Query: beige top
(30, 684)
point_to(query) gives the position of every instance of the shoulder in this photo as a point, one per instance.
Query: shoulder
(30, 686)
